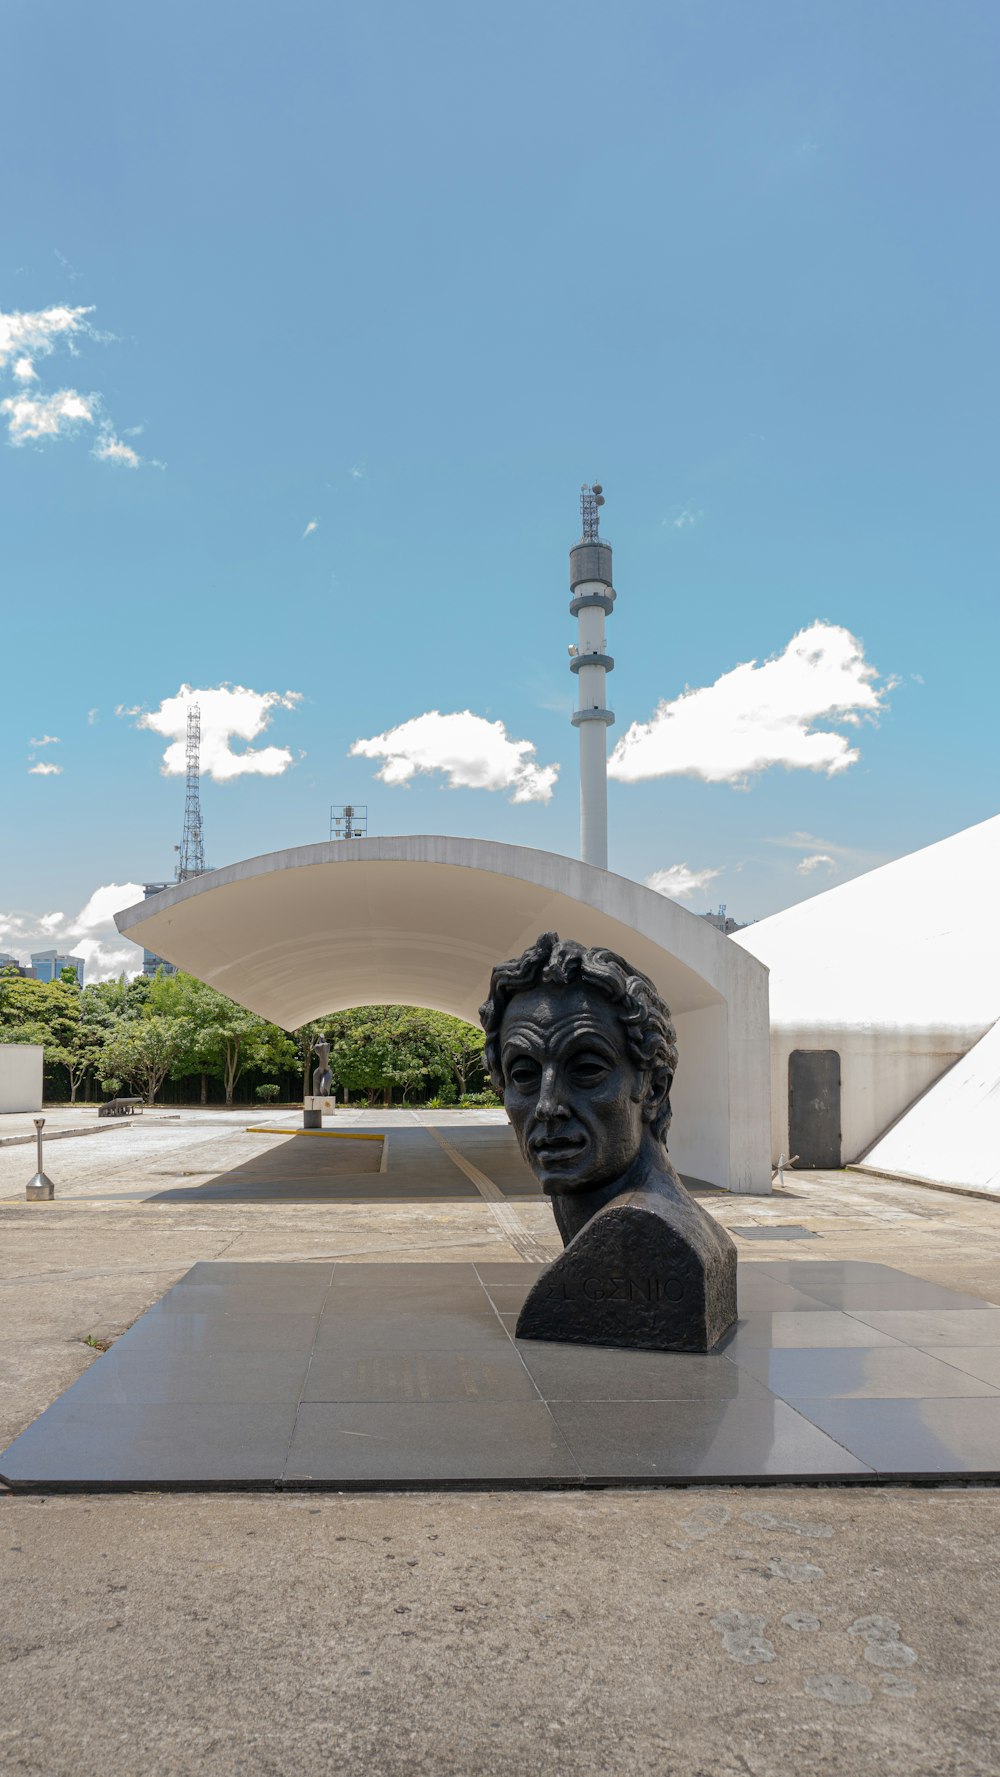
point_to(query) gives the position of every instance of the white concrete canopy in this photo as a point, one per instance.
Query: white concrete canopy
(420, 921)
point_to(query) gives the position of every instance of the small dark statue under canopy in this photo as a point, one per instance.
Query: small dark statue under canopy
(583, 1051)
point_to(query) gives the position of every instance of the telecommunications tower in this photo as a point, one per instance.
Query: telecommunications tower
(592, 600)
(191, 859)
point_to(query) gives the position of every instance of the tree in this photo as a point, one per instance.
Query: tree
(44, 1012)
(142, 1051)
(216, 1035)
(463, 1044)
(374, 1048)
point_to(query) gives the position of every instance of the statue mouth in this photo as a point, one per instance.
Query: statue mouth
(551, 1150)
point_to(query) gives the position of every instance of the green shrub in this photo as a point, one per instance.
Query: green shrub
(268, 1094)
(476, 1101)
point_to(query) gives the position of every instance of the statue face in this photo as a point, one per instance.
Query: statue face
(571, 1090)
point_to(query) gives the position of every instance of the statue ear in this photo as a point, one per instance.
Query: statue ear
(656, 1097)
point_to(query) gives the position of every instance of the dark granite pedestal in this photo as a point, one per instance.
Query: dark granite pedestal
(408, 1376)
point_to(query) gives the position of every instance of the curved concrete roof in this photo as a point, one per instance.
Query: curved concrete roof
(416, 921)
(297, 934)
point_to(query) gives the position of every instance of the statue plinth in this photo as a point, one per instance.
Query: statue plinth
(647, 1272)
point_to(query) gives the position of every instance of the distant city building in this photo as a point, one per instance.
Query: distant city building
(10, 962)
(48, 965)
(722, 922)
(152, 964)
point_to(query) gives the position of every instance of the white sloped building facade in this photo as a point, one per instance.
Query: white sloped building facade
(877, 988)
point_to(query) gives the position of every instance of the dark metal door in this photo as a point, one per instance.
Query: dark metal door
(814, 1107)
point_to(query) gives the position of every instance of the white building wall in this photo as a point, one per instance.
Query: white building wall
(698, 1140)
(882, 1071)
(21, 1076)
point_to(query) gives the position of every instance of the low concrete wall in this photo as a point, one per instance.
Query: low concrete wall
(20, 1076)
(882, 1071)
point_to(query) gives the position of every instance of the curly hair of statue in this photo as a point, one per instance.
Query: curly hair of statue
(643, 1013)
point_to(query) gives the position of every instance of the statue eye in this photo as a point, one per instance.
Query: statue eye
(588, 1069)
(524, 1073)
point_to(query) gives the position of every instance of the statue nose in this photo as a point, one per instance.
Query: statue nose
(550, 1102)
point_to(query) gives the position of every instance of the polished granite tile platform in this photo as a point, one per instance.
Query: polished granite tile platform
(408, 1375)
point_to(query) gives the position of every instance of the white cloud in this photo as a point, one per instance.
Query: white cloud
(47, 740)
(685, 518)
(44, 770)
(36, 335)
(819, 860)
(92, 716)
(47, 416)
(679, 883)
(358, 472)
(228, 713)
(473, 753)
(25, 337)
(111, 449)
(313, 525)
(848, 857)
(758, 716)
(91, 933)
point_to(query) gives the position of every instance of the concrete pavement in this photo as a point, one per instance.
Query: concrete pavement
(714, 1633)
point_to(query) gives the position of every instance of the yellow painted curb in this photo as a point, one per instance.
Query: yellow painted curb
(341, 1134)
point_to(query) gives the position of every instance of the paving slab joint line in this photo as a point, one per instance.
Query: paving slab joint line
(520, 1239)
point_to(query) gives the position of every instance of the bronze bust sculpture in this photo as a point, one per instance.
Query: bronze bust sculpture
(583, 1051)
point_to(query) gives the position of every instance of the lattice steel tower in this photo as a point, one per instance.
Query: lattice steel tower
(191, 861)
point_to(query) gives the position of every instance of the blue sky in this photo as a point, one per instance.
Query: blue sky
(410, 275)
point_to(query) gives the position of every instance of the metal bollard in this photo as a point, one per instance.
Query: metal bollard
(39, 1188)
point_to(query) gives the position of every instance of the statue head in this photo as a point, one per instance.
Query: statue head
(583, 1051)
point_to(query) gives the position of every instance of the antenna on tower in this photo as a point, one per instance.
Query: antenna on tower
(348, 820)
(591, 501)
(191, 861)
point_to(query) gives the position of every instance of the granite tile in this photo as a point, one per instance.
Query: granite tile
(243, 1299)
(221, 1332)
(399, 1445)
(602, 1373)
(773, 1231)
(82, 1443)
(815, 1327)
(745, 1439)
(910, 1439)
(805, 1272)
(976, 1360)
(758, 1293)
(392, 1375)
(942, 1326)
(370, 1330)
(464, 1295)
(901, 1293)
(139, 1377)
(884, 1372)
